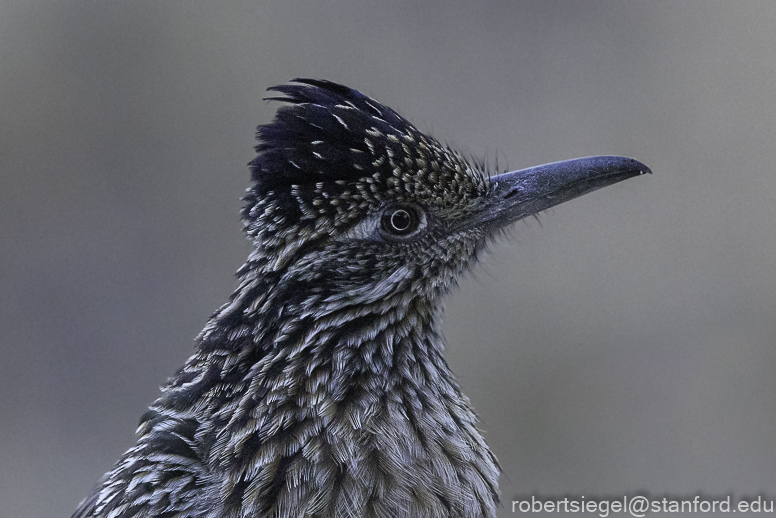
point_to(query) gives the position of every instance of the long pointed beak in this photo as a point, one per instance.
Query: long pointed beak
(516, 195)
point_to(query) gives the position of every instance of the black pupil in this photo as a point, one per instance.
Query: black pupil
(400, 221)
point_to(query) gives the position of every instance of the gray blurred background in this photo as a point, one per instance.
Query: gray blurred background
(625, 343)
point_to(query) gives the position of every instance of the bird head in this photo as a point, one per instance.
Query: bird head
(354, 203)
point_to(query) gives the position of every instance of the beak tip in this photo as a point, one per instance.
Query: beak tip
(641, 167)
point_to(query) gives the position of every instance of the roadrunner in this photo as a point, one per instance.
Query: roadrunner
(320, 389)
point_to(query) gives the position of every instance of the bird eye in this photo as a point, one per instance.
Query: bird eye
(401, 221)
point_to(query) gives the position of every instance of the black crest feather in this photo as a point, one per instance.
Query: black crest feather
(315, 137)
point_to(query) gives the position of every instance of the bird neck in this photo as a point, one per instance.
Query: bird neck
(357, 397)
(280, 343)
